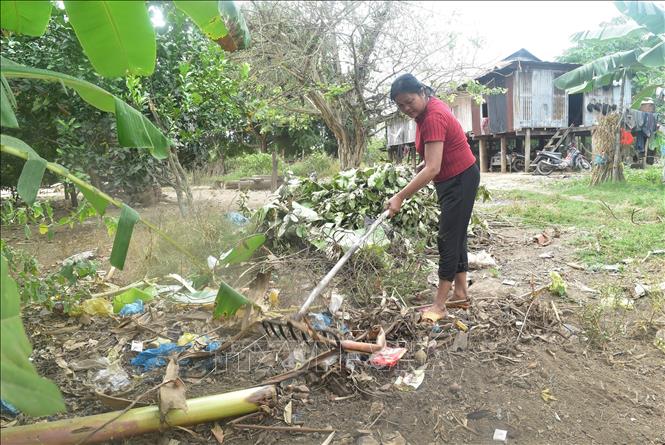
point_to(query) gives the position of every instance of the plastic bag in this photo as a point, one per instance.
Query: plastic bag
(132, 308)
(97, 306)
(387, 357)
(112, 379)
(155, 357)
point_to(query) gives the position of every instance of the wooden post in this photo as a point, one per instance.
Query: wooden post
(482, 149)
(504, 151)
(527, 150)
(646, 152)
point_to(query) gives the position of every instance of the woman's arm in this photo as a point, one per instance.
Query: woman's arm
(433, 156)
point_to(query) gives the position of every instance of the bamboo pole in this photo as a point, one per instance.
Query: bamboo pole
(140, 420)
(617, 166)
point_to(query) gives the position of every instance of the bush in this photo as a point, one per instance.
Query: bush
(376, 153)
(318, 162)
(252, 164)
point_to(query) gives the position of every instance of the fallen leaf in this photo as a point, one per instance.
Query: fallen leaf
(172, 395)
(288, 411)
(218, 432)
(546, 395)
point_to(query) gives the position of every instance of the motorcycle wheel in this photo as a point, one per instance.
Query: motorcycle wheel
(583, 164)
(544, 168)
(517, 165)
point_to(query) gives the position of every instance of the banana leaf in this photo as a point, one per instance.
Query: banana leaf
(598, 71)
(654, 57)
(610, 32)
(25, 17)
(647, 14)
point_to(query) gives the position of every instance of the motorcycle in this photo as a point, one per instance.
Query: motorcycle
(546, 162)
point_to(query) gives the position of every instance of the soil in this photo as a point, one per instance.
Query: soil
(522, 347)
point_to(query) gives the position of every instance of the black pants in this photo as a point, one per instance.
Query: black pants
(456, 197)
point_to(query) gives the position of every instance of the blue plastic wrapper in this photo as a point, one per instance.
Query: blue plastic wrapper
(212, 346)
(132, 308)
(320, 320)
(9, 408)
(237, 218)
(155, 357)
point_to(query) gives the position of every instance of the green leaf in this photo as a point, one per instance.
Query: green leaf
(238, 36)
(647, 14)
(228, 301)
(31, 179)
(647, 91)
(602, 68)
(7, 105)
(18, 144)
(610, 32)
(20, 384)
(25, 17)
(117, 37)
(95, 96)
(94, 197)
(654, 57)
(128, 218)
(135, 130)
(243, 251)
(130, 296)
(206, 16)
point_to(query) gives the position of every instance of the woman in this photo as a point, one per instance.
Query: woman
(448, 162)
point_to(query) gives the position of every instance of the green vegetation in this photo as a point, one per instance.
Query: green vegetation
(614, 221)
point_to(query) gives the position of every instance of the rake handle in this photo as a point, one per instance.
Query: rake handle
(329, 276)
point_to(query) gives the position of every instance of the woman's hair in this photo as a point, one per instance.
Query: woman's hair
(407, 83)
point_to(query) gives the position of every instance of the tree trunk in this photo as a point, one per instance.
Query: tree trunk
(180, 184)
(273, 179)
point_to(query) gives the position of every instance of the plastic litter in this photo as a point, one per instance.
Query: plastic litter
(113, 379)
(132, 308)
(352, 358)
(131, 296)
(481, 260)
(137, 346)
(8, 408)
(155, 357)
(320, 320)
(90, 363)
(186, 338)
(411, 380)
(97, 306)
(237, 218)
(336, 301)
(387, 357)
(500, 435)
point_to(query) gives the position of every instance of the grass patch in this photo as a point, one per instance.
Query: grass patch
(615, 221)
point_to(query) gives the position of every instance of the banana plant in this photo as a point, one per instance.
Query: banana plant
(119, 40)
(647, 19)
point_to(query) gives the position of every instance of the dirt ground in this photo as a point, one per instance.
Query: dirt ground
(528, 367)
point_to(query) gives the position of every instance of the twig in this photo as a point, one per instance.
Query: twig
(609, 208)
(526, 315)
(124, 411)
(292, 429)
(119, 290)
(464, 426)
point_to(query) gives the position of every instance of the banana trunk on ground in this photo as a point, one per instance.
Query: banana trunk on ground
(140, 420)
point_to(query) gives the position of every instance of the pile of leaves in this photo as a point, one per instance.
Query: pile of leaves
(351, 200)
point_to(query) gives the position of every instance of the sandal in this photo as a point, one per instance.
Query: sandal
(460, 304)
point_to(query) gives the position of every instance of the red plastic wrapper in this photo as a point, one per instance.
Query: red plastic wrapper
(387, 357)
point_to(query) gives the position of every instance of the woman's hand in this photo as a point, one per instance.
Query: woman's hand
(393, 205)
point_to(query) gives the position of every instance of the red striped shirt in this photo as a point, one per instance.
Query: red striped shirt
(438, 124)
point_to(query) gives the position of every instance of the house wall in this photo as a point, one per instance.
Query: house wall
(610, 95)
(497, 108)
(400, 130)
(537, 103)
(463, 111)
